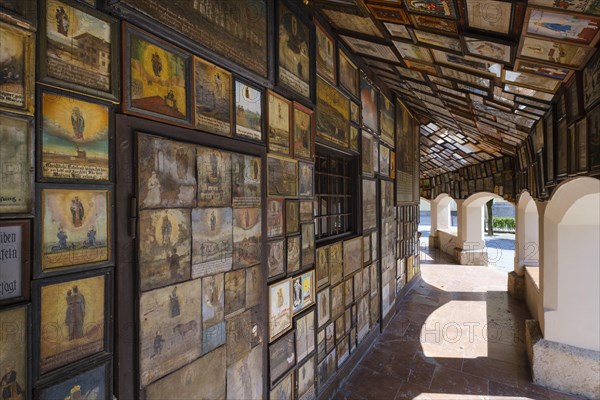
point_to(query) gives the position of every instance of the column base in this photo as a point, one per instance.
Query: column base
(516, 286)
(471, 257)
(562, 367)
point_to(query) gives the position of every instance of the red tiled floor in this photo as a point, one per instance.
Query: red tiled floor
(457, 335)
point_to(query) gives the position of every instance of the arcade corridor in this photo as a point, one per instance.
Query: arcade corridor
(457, 335)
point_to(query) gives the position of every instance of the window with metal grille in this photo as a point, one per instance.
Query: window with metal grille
(336, 194)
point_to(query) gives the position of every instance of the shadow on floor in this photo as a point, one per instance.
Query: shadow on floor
(457, 335)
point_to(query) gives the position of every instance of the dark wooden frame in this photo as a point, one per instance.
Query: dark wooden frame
(282, 337)
(28, 346)
(312, 61)
(127, 31)
(326, 32)
(574, 98)
(38, 255)
(115, 73)
(514, 28)
(311, 114)
(282, 203)
(310, 166)
(74, 372)
(270, 93)
(127, 288)
(25, 15)
(26, 259)
(263, 114)
(274, 278)
(511, 46)
(40, 135)
(109, 302)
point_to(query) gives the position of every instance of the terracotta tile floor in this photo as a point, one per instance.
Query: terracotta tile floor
(458, 335)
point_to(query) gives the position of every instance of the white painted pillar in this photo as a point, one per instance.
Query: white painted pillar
(527, 234)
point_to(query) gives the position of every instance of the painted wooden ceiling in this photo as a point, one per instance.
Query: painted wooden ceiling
(477, 73)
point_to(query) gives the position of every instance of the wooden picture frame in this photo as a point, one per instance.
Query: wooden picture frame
(584, 29)
(498, 21)
(168, 99)
(282, 356)
(561, 149)
(543, 69)
(593, 126)
(295, 52)
(281, 322)
(494, 50)
(92, 378)
(79, 133)
(213, 98)
(307, 213)
(591, 77)
(326, 53)
(573, 98)
(569, 55)
(276, 259)
(280, 170)
(75, 250)
(276, 227)
(99, 71)
(20, 12)
(332, 115)
(433, 23)
(17, 138)
(19, 99)
(303, 291)
(16, 262)
(389, 13)
(303, 133)
(323, 306)
(435, 8)
(370, 104)
(306, 179)
(279, 126)
(292, 216)
(252, 107)
(85, 287)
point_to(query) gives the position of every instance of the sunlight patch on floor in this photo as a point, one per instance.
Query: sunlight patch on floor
(457, 329)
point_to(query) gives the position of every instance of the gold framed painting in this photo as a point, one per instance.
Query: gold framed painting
(157, 78)
(531, 81)
(79, 48)
(491, 50)
(17, 83)
(213, 103)
(279, 111)
(75, 228)
(436, 8)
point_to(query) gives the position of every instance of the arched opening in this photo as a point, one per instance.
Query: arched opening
(571, 264)
(527, 233)
(476, 249)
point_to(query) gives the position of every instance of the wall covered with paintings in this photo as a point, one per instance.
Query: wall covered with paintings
(157, 213)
